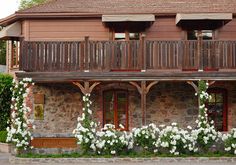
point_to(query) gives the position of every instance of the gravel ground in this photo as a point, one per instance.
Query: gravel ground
(4, 160)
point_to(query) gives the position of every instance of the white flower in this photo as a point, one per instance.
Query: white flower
(113, 152)
(189, 127)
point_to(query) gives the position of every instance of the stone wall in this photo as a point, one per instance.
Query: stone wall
(62, 106)
(167, 102)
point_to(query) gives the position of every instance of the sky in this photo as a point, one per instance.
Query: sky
(8, 7)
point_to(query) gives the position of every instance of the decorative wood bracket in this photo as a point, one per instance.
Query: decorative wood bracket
(86, 88)
(143, 89)
(196, 86)
(211, 82)
(193, 85)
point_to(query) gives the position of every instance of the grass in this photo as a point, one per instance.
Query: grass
(124, 155)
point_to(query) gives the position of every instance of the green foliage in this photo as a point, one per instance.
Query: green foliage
(230, 141)
(2, 52)
(5, 100)
(24, 4)
(3, 136)
(131, 154)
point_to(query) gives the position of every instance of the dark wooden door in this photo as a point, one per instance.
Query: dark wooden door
(115, 108)
(217, 108)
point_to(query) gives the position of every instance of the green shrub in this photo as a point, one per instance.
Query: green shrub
(5, 100)
(3, 136)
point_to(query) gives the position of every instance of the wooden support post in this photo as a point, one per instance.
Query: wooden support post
(86, 88)
(143, 90)
(144, 102)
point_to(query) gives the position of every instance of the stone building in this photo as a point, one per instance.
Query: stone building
(140, 62)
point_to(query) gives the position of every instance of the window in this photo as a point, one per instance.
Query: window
(124, 36)
(217, 108)
(120, 36)
(115, 108)
(196, 34)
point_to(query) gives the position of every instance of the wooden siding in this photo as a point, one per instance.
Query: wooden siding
(59, 30)
(228, 32)
(164, 29)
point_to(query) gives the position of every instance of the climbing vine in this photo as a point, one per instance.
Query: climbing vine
(20, 124)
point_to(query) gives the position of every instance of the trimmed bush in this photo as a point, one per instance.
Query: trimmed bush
(5, 100)
(3, 136)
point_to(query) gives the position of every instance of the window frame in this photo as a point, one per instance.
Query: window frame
(199, 37)
(127, 37)
(225, 105)
(115, 108)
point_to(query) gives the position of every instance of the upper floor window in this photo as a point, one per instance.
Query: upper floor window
(126, 36)
(197, 34)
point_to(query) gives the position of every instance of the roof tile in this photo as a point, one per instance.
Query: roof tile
(134, 6)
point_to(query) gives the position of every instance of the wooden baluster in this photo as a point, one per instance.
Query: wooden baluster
(86, 53)
(144, 58)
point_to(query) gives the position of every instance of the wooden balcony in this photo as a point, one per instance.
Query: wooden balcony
(143, 59)
(112, 56)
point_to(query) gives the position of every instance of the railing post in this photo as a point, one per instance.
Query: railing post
(199, 53)
(143, 61)
(86, 54)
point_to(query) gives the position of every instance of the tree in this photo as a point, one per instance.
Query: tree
(29, 3)
(2, 53)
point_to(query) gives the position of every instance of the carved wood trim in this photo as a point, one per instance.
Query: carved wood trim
(86, 88)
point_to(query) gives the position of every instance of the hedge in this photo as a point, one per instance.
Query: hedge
(3, 136)
(5, 100)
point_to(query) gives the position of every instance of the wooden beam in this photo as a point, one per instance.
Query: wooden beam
(126, 76)
(86, 88)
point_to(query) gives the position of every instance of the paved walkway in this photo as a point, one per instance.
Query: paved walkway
(4, 160)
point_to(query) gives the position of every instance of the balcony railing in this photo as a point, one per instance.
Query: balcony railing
(127, 55)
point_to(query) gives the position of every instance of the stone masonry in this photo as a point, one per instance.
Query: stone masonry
(167, 102)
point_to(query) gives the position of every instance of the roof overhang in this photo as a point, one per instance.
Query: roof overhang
(11, 31)
(204, 20)
(129, 18)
